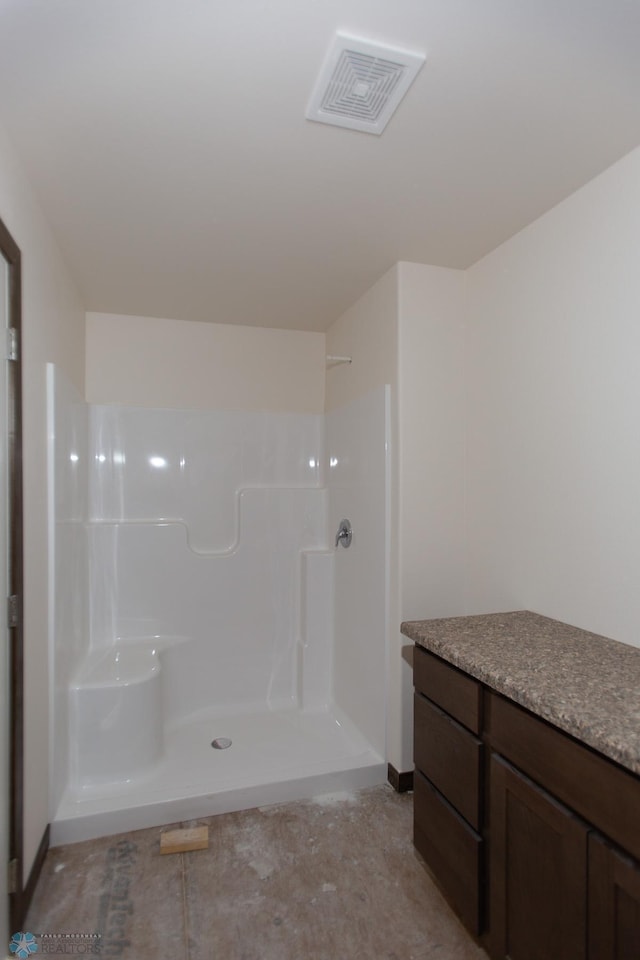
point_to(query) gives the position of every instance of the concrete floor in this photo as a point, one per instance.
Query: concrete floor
(334, 878)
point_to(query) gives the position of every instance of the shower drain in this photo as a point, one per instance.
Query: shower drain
(221, 743)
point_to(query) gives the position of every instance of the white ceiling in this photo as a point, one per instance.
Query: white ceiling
(168, 143)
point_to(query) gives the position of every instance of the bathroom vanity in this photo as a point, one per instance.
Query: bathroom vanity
(527, 783)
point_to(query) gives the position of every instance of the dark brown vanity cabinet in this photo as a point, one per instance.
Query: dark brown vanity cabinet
(534, 837)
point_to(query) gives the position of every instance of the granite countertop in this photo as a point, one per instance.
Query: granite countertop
(583, 683)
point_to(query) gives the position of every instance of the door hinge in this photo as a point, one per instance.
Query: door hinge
(12, 343)
(12, 611)
(12, 876)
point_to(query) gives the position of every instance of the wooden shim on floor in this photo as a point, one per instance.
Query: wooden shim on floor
(180, 841)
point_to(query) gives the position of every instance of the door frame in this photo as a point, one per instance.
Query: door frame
(11, 253)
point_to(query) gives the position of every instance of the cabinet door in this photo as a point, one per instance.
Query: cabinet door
(538, 872)
(614, 903)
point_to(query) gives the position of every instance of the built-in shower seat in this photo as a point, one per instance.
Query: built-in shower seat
(116, 709)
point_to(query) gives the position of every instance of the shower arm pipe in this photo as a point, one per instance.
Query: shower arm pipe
(334, 361)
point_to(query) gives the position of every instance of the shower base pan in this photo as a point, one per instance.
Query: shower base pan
(275, 756)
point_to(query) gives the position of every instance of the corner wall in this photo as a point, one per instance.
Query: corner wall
(432, 469)
(368, 333)
(432, 440)
(53, 330)
(408, 331)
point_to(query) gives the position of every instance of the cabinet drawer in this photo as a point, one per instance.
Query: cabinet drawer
(449, 756)
(455, 692)
(451, 849)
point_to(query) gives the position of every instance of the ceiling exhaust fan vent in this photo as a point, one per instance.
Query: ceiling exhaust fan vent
(361, 84)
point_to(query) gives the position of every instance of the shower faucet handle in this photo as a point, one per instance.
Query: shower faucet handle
(344, 534)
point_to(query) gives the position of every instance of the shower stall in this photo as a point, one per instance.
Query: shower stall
(212, 645)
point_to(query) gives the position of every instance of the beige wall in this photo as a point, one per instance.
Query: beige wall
(554, 394)
(175, 363)
(431, 451)
(367, 333)
(432, 439)
(53, 330)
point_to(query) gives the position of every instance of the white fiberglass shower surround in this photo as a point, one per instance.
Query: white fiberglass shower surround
(197, 595)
